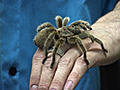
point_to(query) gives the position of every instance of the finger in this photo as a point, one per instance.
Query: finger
(76, 74)
(80, 67)
(47, 73)
(64, 67)
(36, 69)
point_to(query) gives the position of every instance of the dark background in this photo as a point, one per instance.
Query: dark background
(110, 76)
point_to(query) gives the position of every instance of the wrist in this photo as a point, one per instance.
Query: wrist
(108, 33)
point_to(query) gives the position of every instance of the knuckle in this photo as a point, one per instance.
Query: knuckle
(57, 83)
(43, 87)
(81, 62)
(74, 75)
(43, 84)
(48, 62)
(65, 62)
(38, 54)
(34, 80)
(36, 61)
(35, 72)
(35, 64)
(38, 57)
(36, 68)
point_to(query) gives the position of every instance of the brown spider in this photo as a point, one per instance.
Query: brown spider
(49, 36)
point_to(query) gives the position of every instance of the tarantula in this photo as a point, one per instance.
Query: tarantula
(49, 36)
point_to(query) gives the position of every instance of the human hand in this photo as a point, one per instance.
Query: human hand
(71, 67)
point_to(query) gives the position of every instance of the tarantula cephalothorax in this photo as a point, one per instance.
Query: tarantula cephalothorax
(49, 36)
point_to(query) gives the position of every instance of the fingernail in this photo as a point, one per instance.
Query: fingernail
(52, 89)
(68, 85)
(34, 87)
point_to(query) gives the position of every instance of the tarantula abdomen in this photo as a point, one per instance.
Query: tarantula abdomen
(41, 37)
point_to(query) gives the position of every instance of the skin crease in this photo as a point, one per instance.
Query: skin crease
(71, 67)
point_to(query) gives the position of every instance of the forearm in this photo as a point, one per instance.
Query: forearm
(113, 16)
(107, 28)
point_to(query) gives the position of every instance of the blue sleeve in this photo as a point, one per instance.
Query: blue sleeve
(19, 20)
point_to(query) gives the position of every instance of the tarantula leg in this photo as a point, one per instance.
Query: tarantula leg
(84, 35)
(44, 25)
(86, 60)
(76, 30)
(99, 42)
(47, 45)
(57, 45)
(82, 48)
(83, 24)
(84, 27)
(65, 21)
(58, 21)
(86, 24)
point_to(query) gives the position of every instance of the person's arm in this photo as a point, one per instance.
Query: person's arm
(71, 67)
(107, 28)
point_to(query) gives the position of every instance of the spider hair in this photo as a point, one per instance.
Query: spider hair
(49, 36)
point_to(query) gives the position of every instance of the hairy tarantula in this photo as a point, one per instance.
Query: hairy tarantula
(49, 36)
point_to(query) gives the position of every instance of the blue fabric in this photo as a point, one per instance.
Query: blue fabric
(18, 23)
